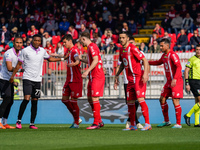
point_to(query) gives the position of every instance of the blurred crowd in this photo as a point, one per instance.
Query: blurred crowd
(103, 19)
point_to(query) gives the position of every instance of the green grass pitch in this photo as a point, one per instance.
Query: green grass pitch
(109, 137)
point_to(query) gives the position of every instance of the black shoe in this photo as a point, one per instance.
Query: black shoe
(187, 120)
(198, 125)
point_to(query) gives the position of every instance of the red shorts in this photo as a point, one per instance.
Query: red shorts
(73, 89)
(95, 88)
(137, 90)
(174, 92)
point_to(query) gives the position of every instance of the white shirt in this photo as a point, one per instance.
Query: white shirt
(32, 62)
(10, 55)
(60, 51)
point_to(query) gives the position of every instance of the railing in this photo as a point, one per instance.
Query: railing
(51, 86)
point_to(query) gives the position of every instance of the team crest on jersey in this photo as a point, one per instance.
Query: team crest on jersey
(125, 61)
(173, 93)
(198, 90)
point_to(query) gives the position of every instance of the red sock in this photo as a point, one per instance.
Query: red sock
(75, 111)
(178, 114)
(131, 113)
(96, 112)
(165, 111)
(68, 105)
(145, 111)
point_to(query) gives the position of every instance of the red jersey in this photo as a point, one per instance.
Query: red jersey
(73, 73)
(97, 71)
(172, 65)
(131, 57)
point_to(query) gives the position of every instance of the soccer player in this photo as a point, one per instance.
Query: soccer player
(128, 123)
(192, 82)
(10, 59)
(174, 85)
(73, 85)
(32, 58)
(96, 78)
(131, 56)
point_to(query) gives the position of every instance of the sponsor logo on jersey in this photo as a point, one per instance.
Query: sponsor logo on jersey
(97, 93)
(124, 51)
(178, 94)
(125, 61)
(175, 58)
(165, 56)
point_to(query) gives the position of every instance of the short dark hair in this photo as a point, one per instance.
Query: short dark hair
(18, 37)
(85, 34)
(37, 35)
(198, 45)
(166, 41)
(124, 32)
(131, 38)
(68, 37)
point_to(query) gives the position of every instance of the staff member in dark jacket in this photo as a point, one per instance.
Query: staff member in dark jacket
(195, 40)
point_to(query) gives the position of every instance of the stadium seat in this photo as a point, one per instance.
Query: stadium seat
(153, 22)
(159, 14)
(142, 39)
(189, 36)
(55, 40)
(145, 31)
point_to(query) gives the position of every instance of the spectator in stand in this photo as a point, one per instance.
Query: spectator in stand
(84, 6)
(77, 16)
(140, 17)
(83, 29)
(27, 8)
(49, 48)
(97, 40)
(83, 21)
(153, 38)
(65, 8)
(11, 15)
(187, 24)
(105, 14)
(46, 37)
(32, 22)
(96, 16)
(110, 24)
(24, 40)
(80, 47)
(112, 48)
(194, 11)
(94, 29)
(126, 29)
(197, 22)
(73, 32)
(37, 15)
(143, 47)
(178, 5)
(194, 40)
(41, 32)
(176, 23)
(166, 36)
(21, 25)
(51, 25)
(101, 24)
(155, 48)
(3, 23)
(58, 15)
(90, 23)
(147, 8)
(127, 14)
(28, 43)
(119, 24)
(12, 24)
(108, 5)
(159, 30)
(172, 13)
(183, 11)
(32, 31)
(4, 36)
(14, 32)
(64, 25)
(70, 16)
(59, 52)
(132, 26)
(182, 42)
(166, 23)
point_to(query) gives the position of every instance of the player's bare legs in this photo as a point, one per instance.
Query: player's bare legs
(145, 112)
(164, 107)
(95, 105)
